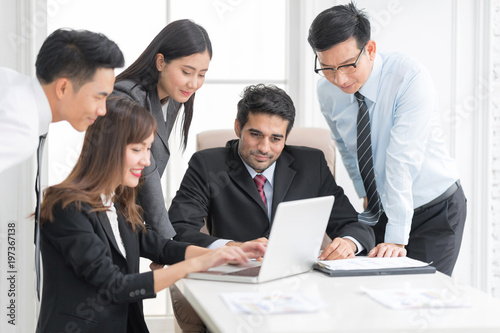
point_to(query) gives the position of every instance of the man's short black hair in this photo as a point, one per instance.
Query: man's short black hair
(76, 55)
(336, 25)
(269, 100)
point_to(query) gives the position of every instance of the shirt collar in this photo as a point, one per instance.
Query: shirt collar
(45, 114)
(107, 201)
(370, 88)
(268, 173)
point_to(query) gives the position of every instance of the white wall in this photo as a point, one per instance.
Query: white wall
(20, 36)
(495, 154)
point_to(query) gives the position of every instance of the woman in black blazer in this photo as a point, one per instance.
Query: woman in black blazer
(165, 77)
(92, 234)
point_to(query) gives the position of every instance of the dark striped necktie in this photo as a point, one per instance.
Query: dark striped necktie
(38, 190)
(365, 161)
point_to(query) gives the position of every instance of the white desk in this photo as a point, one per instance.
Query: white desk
(348, 310)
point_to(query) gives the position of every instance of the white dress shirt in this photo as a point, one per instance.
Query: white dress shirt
(411, 163)
(24, 116)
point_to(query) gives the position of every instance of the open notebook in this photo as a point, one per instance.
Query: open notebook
(293, 246)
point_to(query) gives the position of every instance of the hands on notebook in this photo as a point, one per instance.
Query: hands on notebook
(339, 248)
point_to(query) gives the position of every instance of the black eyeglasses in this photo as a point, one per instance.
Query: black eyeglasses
(330, 72)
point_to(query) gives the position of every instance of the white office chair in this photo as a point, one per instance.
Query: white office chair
(318, 138)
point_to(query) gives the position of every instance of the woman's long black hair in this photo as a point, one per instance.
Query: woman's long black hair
(178, 39)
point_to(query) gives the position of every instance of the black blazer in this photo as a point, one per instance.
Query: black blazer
(217, 187)
(150, 195)
(88, 285)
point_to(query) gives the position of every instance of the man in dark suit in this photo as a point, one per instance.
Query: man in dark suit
(219, 187)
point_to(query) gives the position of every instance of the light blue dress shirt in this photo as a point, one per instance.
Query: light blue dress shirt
(412, 166)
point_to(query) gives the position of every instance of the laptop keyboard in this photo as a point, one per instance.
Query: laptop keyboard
(252, 271)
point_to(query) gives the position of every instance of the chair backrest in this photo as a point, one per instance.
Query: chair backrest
(318, 138)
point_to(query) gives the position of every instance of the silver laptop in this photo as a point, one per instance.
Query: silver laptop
(293, 247)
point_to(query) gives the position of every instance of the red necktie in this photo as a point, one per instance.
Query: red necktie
(260, 180)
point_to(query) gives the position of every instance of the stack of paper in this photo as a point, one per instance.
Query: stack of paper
(372, 263)
(373, 266)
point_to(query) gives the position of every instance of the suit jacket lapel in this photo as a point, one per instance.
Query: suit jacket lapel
(130, 243)
(156, 111)
(283, 177)
(103, 218)
(239, 174)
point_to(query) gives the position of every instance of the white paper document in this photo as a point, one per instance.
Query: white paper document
(366, 263)
(269, 303)
(410, 298)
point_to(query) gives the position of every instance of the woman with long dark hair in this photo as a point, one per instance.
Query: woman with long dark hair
(164, 78)
(92, 233)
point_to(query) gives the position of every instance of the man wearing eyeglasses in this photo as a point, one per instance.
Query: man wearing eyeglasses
(383, 113)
